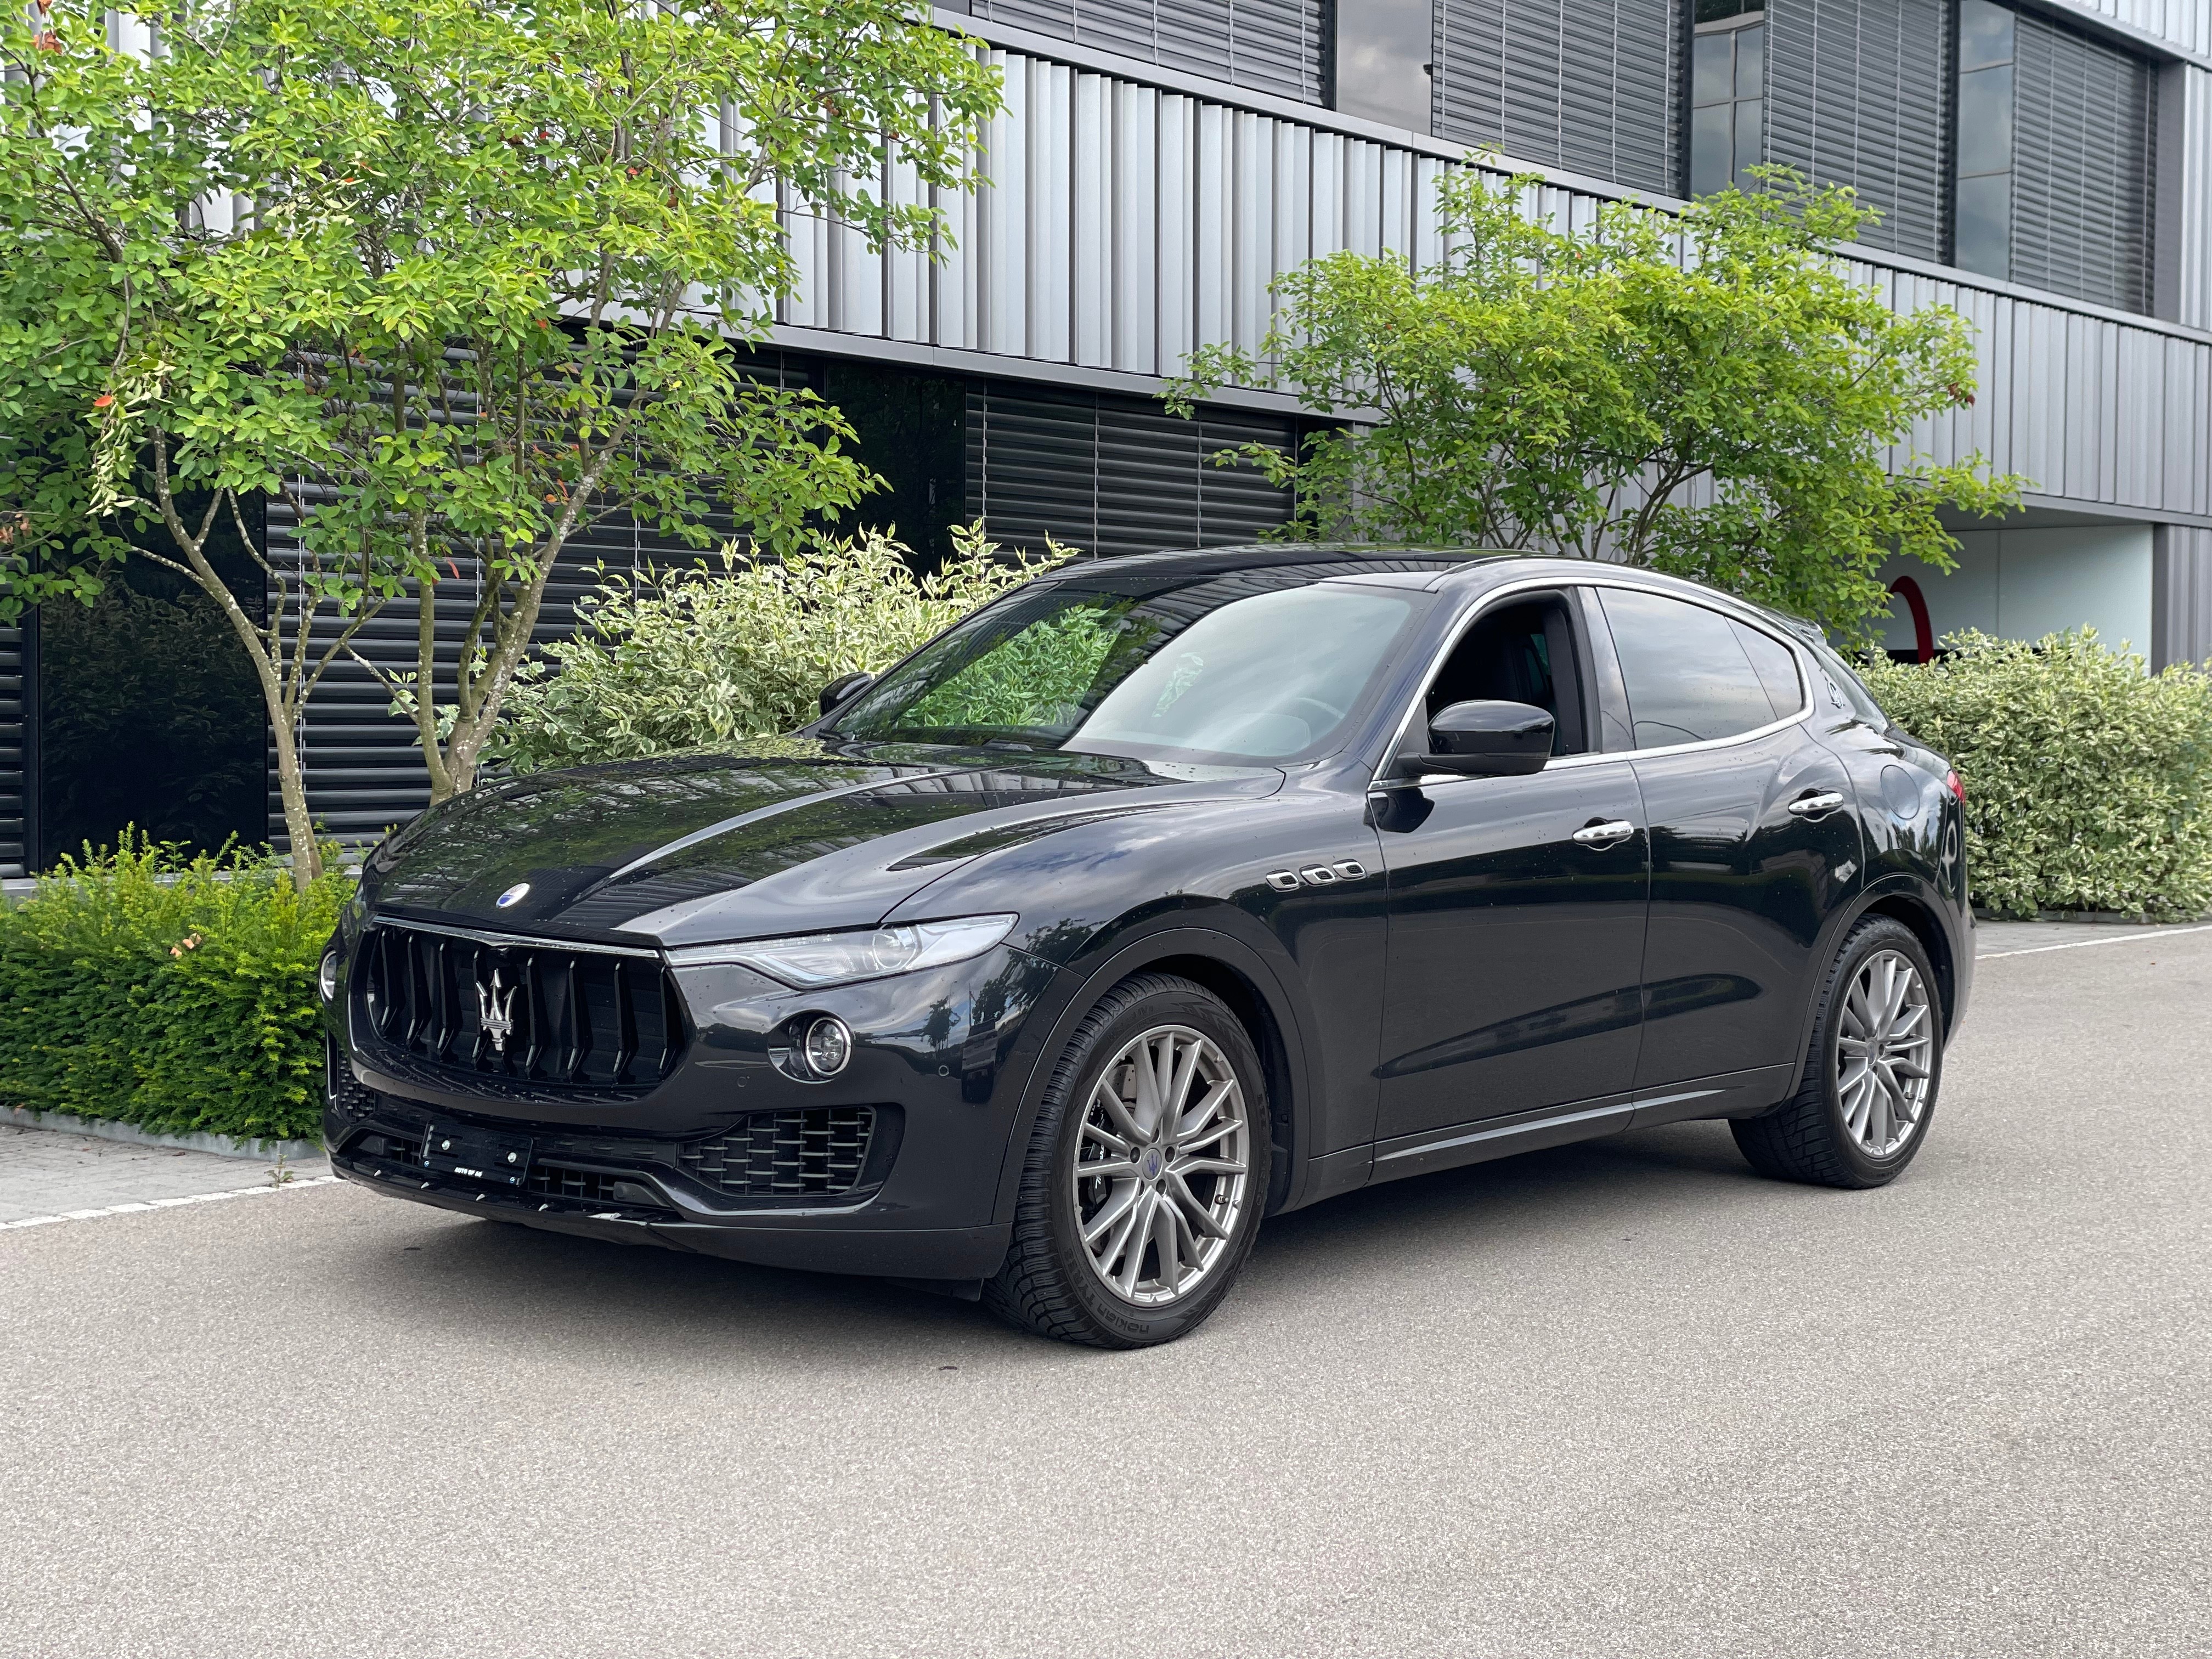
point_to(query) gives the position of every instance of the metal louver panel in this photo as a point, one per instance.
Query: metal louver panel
(1587, 85)
(1112, 475)
(1857, 96)
(365, 773)
(15, 797)
(1270, 46)
(2083, 117)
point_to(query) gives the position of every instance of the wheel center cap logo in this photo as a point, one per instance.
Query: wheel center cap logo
(513, 895)
(1153, 1164)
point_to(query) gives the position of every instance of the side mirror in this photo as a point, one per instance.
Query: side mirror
(1484, 740)
(844, 686)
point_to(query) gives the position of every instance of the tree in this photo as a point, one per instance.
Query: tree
(1705, 393)
(452, 281)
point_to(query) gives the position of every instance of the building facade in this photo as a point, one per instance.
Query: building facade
(2043, 166)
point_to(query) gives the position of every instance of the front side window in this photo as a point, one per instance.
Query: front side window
(1233, 668)
(1982, 186)
(1521, 653)
(1692, 675)
(1727, 94)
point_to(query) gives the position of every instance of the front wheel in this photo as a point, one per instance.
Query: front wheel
(1867, 1091)
(1146, 1172)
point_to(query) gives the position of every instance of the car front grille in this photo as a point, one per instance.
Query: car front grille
(528, 1012)
(819, 1150)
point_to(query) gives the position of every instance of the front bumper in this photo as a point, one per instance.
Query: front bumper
(947, 1252)
(941, 1065)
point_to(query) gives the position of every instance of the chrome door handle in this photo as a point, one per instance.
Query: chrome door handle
(1811, 806)
(1604, 835)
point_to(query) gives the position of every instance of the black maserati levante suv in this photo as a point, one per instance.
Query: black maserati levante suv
(1160, 896)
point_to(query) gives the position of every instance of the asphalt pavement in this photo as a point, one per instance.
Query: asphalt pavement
(1620, 1399)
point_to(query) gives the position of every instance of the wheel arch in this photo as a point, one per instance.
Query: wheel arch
(1253, 992)
(1919, 918)
(1901, 901)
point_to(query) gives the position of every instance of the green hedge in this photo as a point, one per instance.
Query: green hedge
(2089, 780)
(175, 993)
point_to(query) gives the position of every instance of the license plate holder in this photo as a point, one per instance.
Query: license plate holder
(479, 1155)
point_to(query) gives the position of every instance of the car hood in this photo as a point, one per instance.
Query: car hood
(699, 848)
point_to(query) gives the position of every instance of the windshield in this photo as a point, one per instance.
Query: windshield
(1256, 667)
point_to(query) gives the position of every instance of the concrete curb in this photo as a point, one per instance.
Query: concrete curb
(264, 1151)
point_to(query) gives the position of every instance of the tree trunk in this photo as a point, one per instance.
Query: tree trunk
(292, 788)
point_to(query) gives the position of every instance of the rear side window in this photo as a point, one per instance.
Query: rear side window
(1846, 688)
(1775, 666)
(1689, 673)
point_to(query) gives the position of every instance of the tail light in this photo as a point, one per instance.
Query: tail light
(1958, 789)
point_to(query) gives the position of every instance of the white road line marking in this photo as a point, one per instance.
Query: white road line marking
(2084, 944)
(168, 1203)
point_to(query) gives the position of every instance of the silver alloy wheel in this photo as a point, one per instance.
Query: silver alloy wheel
(1884, 1052)
(1162, 1165)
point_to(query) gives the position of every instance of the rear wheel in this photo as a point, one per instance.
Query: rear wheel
(1867, 1091)
(1144, 1174)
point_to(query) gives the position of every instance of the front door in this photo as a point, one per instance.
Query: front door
(1516, 905)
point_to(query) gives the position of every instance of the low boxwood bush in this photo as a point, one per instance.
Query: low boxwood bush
(676, 659)
(2089, 780)
(177, 993)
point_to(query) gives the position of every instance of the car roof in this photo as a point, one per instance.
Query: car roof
(1320, 560)
(1461, 569)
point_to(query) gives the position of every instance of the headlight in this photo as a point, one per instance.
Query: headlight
(326, 975)
(810, 960)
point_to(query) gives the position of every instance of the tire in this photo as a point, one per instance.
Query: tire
(1153, 1193)
(1845, 1126)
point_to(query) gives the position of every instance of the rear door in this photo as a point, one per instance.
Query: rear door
(1755, 841)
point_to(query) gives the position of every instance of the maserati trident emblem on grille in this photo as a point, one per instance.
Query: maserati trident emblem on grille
(493, 1010)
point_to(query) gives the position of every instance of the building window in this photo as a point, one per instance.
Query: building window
(1727, 94)
(1982, 186)
(1383, 59)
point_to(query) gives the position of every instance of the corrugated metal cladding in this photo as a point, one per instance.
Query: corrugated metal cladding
(1857, 95)
(2181, 595)
(1122, 226)
(2186, 24)
(14, 796)
(2087, 408)
(1270, 46)
(2084, 121)
(2183, 216)
(1589, 86)
(1125, 225)
(1115, 475)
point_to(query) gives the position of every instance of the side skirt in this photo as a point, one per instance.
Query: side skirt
(1729, 1094)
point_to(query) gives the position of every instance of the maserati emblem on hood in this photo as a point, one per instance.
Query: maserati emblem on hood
(494, 1006)
(513, 895)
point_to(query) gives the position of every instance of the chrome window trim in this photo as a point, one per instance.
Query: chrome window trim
(483, 936)
(1798, 655)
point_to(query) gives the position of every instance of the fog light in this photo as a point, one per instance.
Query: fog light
(829, 1045)
(326, 976)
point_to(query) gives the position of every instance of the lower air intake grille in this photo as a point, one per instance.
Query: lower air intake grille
(591, 1185)
(820, 1150)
